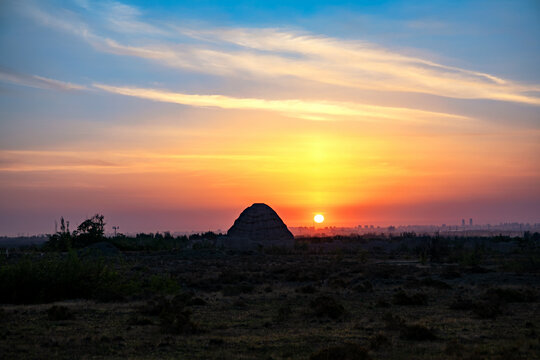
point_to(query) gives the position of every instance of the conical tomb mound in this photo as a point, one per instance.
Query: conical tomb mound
(259, 224)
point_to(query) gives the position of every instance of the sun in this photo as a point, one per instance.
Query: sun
(318, 218)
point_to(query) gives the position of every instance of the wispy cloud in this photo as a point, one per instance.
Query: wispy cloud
(24, 161)
(46, 160)
(313, 110)
(277, 53)
(35, 81)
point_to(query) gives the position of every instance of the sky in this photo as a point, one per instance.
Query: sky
(175, 116)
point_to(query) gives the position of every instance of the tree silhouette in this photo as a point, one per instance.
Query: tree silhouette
(62, 240)
(90, 231)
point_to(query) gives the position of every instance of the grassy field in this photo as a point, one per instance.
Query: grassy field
(211, 304)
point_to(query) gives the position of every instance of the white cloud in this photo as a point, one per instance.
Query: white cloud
(312, 110)
(262, 54)
(36, 81)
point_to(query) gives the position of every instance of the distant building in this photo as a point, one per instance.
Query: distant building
(462, 222)
(470, 222)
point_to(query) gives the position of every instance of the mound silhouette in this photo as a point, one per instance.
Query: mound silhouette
(258, 225)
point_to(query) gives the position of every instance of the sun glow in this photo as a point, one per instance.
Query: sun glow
(318, 218)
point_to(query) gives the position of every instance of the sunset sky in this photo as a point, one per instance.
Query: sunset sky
(177, 116)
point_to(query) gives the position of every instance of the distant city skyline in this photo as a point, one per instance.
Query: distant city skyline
(178, 115)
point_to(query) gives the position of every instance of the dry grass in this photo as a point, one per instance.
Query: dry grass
(267, 306)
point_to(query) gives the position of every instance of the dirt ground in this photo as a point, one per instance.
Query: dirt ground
(291, 306)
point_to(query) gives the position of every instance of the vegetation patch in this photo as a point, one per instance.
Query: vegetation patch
(308, 289)
(327, 306)
(489, 308)
(402, 298)
(434, 283)
(283, 313)
(41, 281)
(378, 341)
(393, 322)
(417, 332)
(174, 318)
(178, 321)
(235, 290)
(510, 295)
(59, 313)
(347, 351)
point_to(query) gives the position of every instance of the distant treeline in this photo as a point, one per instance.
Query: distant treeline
(92, 231)
(527, 236)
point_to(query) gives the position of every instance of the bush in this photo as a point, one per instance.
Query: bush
(139, 321)
(417, 332)
(510, 295)
(377, 341)
(434, 283)
(174, 318)
(381, 303)
(346, 351)
(235, 290)
(30, 281)
(59, 313)
(163, 285)
(308, 289)
(365, 286)
(402, 298)
(462, 304)
(284, 313)
(176, 321)
(327, 306)
(196, 302)
(485, 309)
(393, 322)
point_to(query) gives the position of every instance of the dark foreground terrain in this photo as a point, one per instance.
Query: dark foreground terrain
(314, 302)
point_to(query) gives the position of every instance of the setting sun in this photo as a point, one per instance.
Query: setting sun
(318, 218)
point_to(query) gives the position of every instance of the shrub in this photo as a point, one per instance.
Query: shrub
(139, 321)
(437, 284)
(365, 286)
(393, 322)
(174, 318)
(377, 341)
(451, 274)
(417, 332)
(196, 302)
(346, 351)
(454, 348)
(327, 306)
(155, 306)
(163, 285)
(30, 281)
(484, 309)
(487, 309)
(510, 295)
(175, 321)
(235, 290)
(308, 289)
(284, 313)
(462, 304)
(59, 313)
(402, 298)
(381, 303)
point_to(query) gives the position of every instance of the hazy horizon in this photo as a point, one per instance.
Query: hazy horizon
(176, 116)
